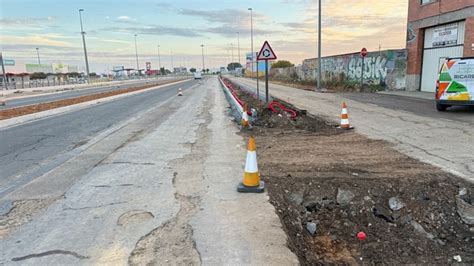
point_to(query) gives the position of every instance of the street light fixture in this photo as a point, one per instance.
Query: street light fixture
(136, 53)
(37, 53)
(84, 42)
(202, 52)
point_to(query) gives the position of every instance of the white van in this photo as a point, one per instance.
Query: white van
(197, 75)
(455, 84)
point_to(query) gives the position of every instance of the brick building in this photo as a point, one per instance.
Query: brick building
(436, 29)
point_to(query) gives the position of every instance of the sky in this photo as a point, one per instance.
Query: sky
(179, 27)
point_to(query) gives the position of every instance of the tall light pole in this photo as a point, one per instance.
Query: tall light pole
(319, 47)
(3, 71)
(84, 43)
(251, 33)
(159, 60)
(38, 54)
(238, 47)
(251, 38)
(136, 53)
(232, 52)
(172, 64)
(202, 52)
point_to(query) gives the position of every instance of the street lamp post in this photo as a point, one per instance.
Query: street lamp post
(37, 53)
(136, 54)
(238, 47)
(3, 71)
(319, 47)
(159, 60)
(84, 43)
(202, 53)
(232, 54)
(172, 64)
(253, 54)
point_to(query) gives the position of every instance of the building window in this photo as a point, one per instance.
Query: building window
(425, 2)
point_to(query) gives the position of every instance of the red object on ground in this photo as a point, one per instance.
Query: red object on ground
(361, 236)
(274, 104)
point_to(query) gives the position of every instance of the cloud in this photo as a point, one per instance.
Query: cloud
(38, 40)
(26, 22)
(230, 20)
(154, 30)
(123, 18)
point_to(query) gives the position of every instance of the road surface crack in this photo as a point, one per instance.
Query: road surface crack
(94, 207)
(51, 252)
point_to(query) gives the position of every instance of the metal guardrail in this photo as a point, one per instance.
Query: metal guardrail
(237, 110)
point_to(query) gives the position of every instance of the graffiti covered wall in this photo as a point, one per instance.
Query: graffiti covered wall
(384, 68)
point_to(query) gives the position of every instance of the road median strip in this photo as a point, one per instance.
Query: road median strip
(35, 108)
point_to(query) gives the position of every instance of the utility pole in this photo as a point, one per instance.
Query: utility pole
(319, 47)
(37, 53)
(202, 51)
(172, 64)
(232, 52)
(84, 43)
(136, 54)
(253, 54)
(4, 73)
(238, 46)
(159, 60)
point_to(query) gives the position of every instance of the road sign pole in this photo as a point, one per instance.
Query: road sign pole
(258, 90)
(362, 74)
(266, 81)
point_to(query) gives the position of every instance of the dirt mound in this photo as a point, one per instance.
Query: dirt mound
(345, 184)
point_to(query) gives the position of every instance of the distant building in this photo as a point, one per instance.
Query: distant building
(180, 70)
(436, 29)
(55, 68)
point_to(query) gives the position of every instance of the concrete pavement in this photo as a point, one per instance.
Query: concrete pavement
(165, 193)
(440, 139)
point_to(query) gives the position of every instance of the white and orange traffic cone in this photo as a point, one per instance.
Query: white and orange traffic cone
(251, 182)
(245, 118)
(345, 118)
(180, 92)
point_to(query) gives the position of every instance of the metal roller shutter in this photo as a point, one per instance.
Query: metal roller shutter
(435, 52)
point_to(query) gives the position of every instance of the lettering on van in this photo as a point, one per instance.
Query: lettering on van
(464, 76)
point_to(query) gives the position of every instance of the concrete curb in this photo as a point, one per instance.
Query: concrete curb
(15, 121)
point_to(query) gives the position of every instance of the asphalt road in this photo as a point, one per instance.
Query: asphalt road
(422, 107)
(27, 150)
(49, 97)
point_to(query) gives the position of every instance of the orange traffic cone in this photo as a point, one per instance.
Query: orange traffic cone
(180, 92)
(345, 118)
(251, 182)
(245, 118)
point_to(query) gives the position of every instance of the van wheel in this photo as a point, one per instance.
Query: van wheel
(441, 107)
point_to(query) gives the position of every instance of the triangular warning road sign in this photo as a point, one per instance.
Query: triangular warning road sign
(266, 53)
